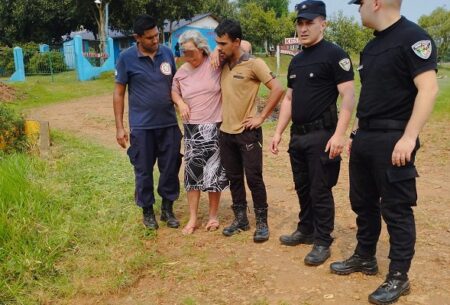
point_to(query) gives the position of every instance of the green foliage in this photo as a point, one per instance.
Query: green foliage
(6, 61)
(347, 33)
(67, 222)
(29, 245)
(44, 63)
(12, 130)
(263, 28)
(280, 7)
(221, 8)
(437, 24)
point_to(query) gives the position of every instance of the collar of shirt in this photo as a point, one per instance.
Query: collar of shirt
(140, 54)
(390, 28)
(244, 57)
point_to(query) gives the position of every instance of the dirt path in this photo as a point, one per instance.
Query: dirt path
(207, 268)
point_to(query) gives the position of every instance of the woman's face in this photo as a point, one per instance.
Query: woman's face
(192, 54)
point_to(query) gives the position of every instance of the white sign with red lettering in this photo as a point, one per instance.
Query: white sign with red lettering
(291, 40)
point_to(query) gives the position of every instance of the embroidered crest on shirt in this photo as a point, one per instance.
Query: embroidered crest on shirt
(423, 48)
(345, 64)
(165, 68)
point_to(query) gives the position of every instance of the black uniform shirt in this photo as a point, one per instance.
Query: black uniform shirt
(389, 64)
(313, 76)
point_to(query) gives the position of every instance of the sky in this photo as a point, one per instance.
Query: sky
(411, 9)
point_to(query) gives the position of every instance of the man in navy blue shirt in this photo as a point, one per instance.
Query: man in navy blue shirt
(148, 68)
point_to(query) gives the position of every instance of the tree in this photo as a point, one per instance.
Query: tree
(221, 8)
(173, 10)
(347, 33)
(39, 20)
(437, 24)
(280, 7)
(263, 28)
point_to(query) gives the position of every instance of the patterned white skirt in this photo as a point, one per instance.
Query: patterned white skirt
(203, 170)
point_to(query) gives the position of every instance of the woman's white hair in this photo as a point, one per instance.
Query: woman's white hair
(197, 39)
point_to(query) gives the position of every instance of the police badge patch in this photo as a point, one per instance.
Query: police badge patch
(423, 48)
(345, 64)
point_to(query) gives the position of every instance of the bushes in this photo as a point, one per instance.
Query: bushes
(39, 63)
(12, 131)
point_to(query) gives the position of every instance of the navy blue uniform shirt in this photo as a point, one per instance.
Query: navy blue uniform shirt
(149, 87)
(389, 64)
(313, 75)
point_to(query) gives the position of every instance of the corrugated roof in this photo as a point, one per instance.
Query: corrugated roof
(183, 22)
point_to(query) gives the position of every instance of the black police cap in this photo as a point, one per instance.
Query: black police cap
(310, 9)
(354, 2)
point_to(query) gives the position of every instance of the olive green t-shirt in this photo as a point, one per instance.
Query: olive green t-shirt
(240, 87)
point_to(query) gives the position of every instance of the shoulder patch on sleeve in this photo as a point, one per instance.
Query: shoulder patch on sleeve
(345, 64)
(423, 48)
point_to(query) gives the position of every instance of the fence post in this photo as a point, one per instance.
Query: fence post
(19, 75)
(109, 64)
(78, 48)
(44, 48)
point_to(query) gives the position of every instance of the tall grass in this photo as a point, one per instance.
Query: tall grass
(69, 225)
(33, 233)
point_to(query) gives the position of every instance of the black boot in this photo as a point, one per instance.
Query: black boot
(356, 263)
(149, 218)
(395, 285)
(317, 256)
(167, 214)
(240, 222)
(262, 228)
(297, 238)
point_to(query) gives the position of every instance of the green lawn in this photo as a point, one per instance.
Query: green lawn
(66, 221)
(41, 90)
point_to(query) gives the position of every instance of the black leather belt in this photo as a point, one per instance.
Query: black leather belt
(385, 124)
(308, 127)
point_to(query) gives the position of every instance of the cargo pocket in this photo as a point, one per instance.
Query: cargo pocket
(401, 185)
(331, 169)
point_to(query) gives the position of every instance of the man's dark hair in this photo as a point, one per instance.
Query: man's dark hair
(230, 27)
(143, 23)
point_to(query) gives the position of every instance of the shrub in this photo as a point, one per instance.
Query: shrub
(40, 63)
(12, 131)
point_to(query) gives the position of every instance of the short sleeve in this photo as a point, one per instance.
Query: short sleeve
(342, 67)
(262, 71)
(421, 54)
(172, 63)
(176, 87)
(121, 75)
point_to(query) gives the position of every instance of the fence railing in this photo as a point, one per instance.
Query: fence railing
(86, 57)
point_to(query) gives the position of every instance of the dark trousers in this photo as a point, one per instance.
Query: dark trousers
(314, 176)
(242, 154)
(379, 189)
(149, 146)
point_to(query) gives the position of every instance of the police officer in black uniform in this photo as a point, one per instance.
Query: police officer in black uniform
(399, 87)
(316, 76)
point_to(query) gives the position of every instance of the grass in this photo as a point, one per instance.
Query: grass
(69, 225)
(442, 106)
(40, 90)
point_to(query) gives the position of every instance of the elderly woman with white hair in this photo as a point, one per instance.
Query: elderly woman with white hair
(196, 92)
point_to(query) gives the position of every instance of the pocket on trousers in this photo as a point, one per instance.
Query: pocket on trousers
(332, 168)
(397, 174)
(401, 185)
(133, 153)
